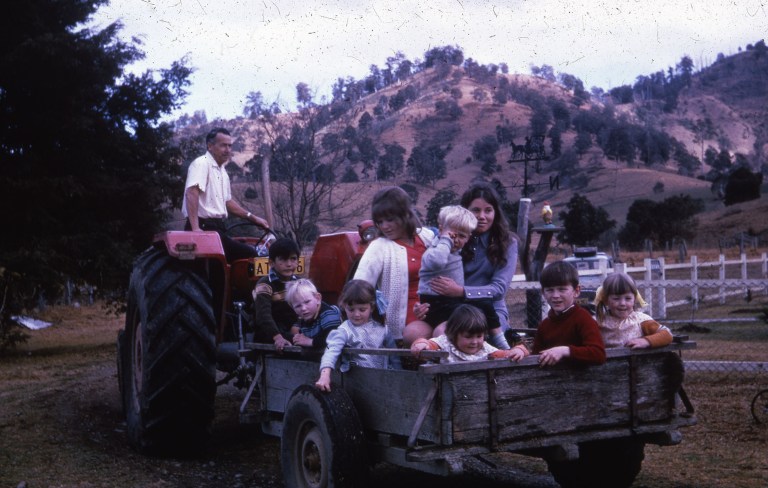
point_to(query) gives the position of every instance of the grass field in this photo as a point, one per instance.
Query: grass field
(60, 425)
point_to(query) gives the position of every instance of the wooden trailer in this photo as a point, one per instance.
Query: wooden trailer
(590, 423)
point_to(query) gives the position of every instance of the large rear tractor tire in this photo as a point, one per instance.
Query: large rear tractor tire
(167, 357)
(322, 443)
(612, 463)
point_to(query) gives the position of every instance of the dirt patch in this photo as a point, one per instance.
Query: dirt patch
(61, 426)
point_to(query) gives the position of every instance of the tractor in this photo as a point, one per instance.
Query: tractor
(188, 316)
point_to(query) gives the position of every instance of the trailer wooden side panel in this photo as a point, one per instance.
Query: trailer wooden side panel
(387, 401)
(497, 402)
(391, 401)
(285, 375)
(502, 405)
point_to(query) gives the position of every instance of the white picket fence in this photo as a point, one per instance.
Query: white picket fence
(652, 280)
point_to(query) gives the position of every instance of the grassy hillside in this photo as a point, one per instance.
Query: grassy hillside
(729, 98)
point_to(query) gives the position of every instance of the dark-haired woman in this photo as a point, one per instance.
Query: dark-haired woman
(391, 263)
(490, 258)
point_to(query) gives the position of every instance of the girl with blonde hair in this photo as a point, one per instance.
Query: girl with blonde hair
(621, 322)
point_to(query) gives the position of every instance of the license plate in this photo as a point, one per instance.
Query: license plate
(261, 266)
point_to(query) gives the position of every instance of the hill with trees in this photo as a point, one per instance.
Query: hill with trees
(440, 123)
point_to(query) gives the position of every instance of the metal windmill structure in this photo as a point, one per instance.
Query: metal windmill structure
(532, 151)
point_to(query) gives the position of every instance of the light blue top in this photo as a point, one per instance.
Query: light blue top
(438, 260)
(370, 335)
(484, 280)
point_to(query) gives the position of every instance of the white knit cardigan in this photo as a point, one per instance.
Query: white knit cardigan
(385, 265)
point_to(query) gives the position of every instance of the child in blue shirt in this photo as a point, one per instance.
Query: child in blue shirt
(316, 319)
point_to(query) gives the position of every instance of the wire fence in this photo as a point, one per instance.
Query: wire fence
(721, 305)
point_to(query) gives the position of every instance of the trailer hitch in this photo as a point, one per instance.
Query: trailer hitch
(245, 368)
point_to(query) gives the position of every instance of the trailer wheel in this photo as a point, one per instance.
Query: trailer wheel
(609, 463)
(322, 443)
(166, 357)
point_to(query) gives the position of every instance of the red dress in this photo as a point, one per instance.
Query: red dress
(414, 264)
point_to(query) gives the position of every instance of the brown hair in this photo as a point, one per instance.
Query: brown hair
(500, 235)
(466, 319)
(360, 292)
(559, 273)
(393, 202)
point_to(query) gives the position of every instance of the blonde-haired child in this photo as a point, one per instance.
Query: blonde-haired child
(464, 339)
(443, 259)
(364, 328)
(316, 319)
(621, 323)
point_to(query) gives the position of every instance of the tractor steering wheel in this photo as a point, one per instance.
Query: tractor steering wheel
(259, 242)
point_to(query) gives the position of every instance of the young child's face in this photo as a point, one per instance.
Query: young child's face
(560, 297)
(285, 267)
(622, 305)
(470, 343)
(458, 236)
(358, 313)
(306, 305)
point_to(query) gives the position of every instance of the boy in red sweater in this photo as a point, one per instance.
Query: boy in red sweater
(569, 331)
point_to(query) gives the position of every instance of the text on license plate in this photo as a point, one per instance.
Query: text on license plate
(261, 266)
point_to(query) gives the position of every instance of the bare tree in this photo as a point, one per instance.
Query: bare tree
(305, 174)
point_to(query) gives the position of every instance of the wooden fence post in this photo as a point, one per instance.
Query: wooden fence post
(648, 292)
(743, 266)
(532, 297)
(682, 251)
(722, 278)
(522, 231)
(662, 291)
(764, 257)
(694, 281)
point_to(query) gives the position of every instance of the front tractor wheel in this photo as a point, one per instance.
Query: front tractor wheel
(167, 360)
(322, 443)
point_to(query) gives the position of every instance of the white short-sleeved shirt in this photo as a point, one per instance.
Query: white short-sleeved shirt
(215, 190)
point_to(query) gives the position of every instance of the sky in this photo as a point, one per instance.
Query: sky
(240, 46)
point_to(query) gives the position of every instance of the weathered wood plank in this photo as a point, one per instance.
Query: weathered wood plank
(390, 401)
(253, 347)
(534, 359)
(658, 380)
(283, 377)
(534, 401)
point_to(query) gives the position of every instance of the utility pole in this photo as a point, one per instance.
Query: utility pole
(533, 151)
